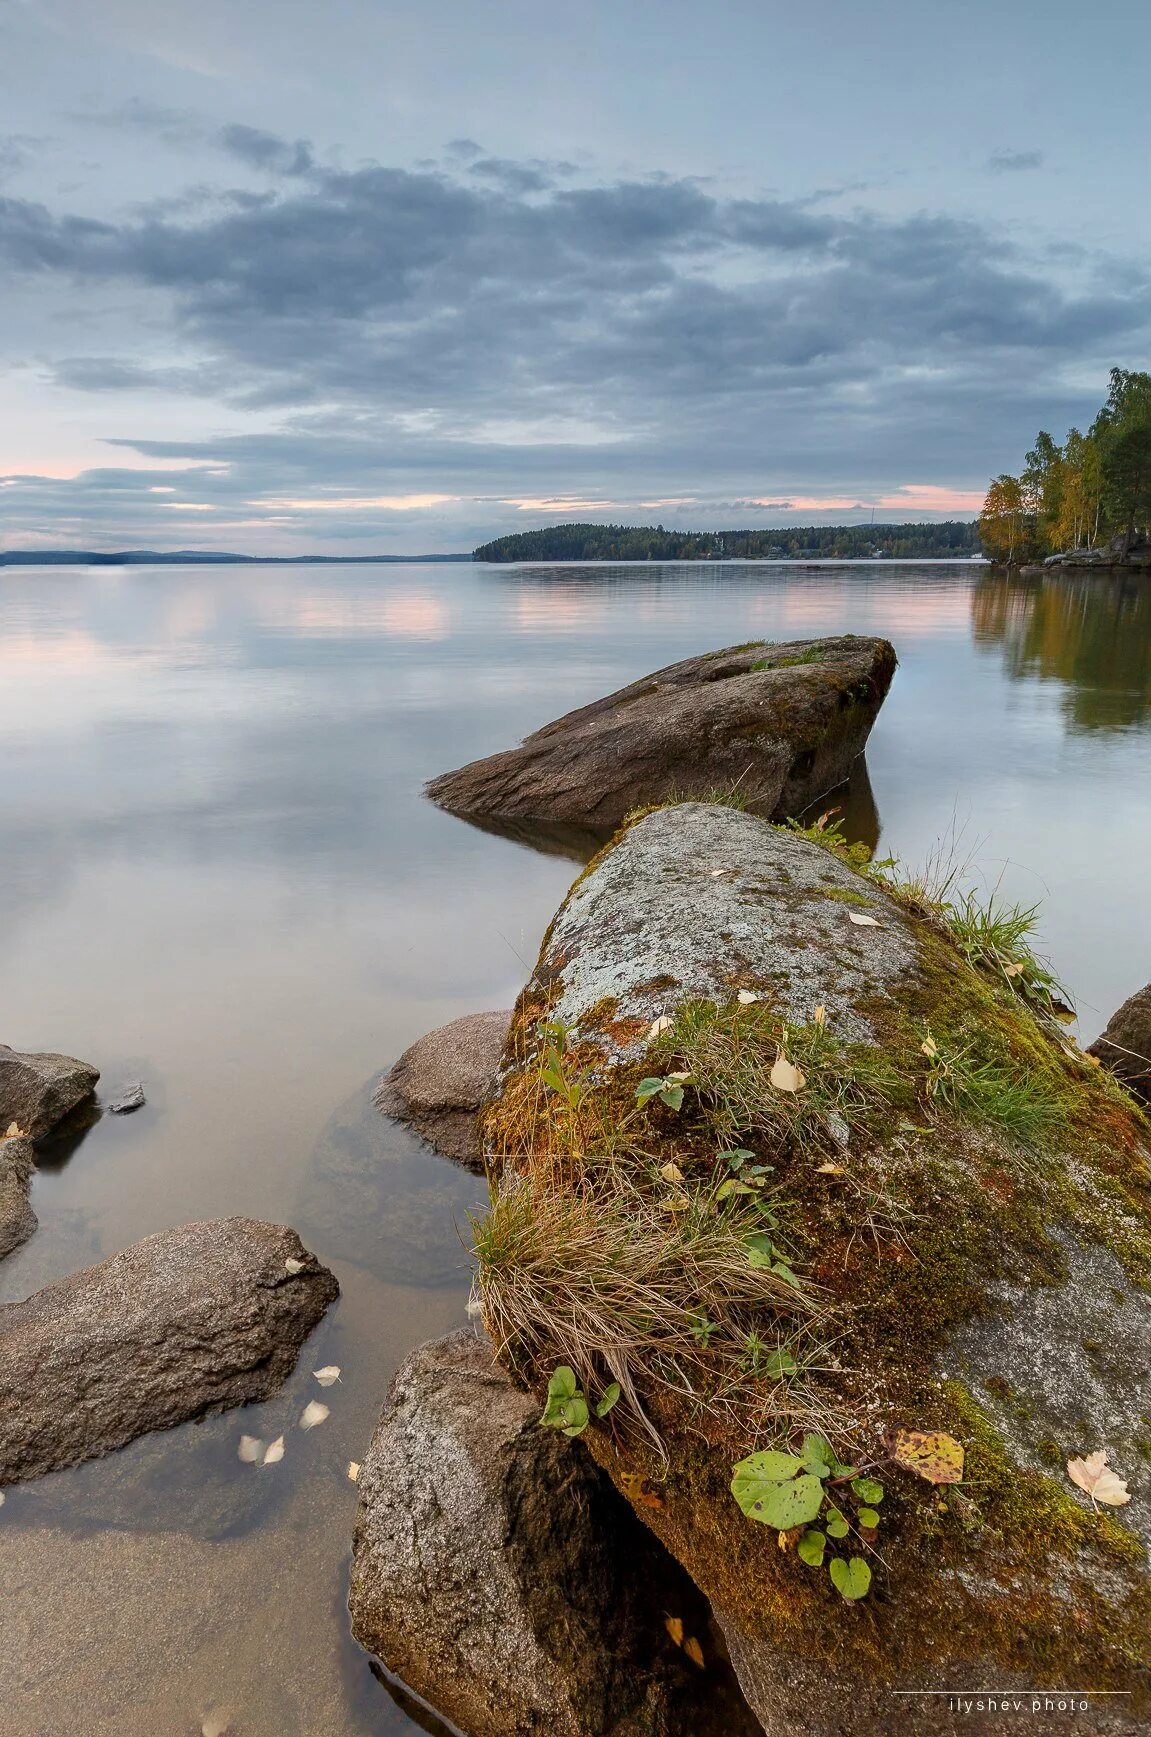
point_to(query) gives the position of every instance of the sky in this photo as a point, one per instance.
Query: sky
(397, 276)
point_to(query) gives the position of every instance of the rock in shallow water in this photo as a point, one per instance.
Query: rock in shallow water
(195, 1319)
(38, 1090)
(781, 724)
(17, 1219)
(439, 1083)
(500, 1576)
(1125, 1046)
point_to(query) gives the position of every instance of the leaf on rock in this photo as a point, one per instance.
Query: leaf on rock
(313, 1414)
(275, 1452)
(663, 1023)
(767, 1489)
(13, 1132)
(329, 1373)
(1099, 1480)
(785, 1076)
(811, 1547)
(829, 1169)
(251, 1450)
(850, 1579)
(929, 1454)
(862, 921)
(354, 1471)
(293, 1266)
(747, 996)
(611, 1394)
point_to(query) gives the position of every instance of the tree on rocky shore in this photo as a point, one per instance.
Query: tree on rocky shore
(1095, 486)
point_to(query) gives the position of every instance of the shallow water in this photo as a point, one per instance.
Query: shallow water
(218, 875)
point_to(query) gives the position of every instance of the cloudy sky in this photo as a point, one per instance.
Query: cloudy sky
(397, 275)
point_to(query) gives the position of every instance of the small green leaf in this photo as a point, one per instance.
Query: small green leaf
(868, 1491)
(784, 1271)
(563, 1383)
(836, 1524)
(736, 1158)
(816, 1455)
(810, 1549)
(610, 1395)
(575, 1415)
(869, 1518)
(760, 1249)
(733, 1185)
(850, 1579)
(647, 1089)
(779, 1364)
(842, 1471)
(672, 1096)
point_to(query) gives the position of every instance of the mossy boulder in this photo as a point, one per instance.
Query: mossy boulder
(779, 724)
(744, 1057)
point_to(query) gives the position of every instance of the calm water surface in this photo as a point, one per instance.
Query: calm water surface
(218, 874)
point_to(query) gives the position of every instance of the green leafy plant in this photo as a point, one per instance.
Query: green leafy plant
(669, 1090)
(790, 1490)
(986, 1090)
(567, 1407)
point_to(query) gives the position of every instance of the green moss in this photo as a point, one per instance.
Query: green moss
(846, 896)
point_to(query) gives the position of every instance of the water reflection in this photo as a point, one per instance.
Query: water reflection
(1090, 632)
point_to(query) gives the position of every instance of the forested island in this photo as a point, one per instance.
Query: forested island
(955, 537)
(1087, 502)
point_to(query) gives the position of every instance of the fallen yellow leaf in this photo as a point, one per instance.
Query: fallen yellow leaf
(1100, 1482)
(930, 1454)
(819, 1017)
(785, 1076)
(694, 1651)
(861, 921)
(671, 1172)
(354, 1471)
(12, 1132)
(663, 1023)
(313, 1414)
(275, 1452)
(329, 1373)
(674, 1627)
(251, 1450)
(747, 996)
(829, 1170)
(293, 1266)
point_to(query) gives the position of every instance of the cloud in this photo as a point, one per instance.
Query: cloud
(488, 335)
(1010, 162)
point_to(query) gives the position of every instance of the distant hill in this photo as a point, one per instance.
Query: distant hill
(193, 558)
(955, 537)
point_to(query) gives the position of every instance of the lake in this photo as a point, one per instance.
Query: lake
(219, 876)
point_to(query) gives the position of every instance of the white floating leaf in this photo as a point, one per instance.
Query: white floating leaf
(1096, 1477)
(862, 920)
(314, 1413)
(354, 1471)
(275, 1452)
(663, 1023)
(747, 996)
(329, 1373)
(785, 1076)
(251, 1450)
(294, 1266)
(473, 1307)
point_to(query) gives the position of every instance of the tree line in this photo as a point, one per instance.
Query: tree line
(653, 543)
(1094, 488)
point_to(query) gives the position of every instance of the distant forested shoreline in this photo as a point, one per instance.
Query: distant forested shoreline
(955, 537)
(1092, 492)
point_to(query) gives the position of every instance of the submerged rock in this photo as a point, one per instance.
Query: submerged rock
(193, 1320)
(973, 1260)
(131, 1098)
(17, 1219)
(440, 1081)
(37, 1091)
(499, 1575)
(1125, 1046)
(779, 724)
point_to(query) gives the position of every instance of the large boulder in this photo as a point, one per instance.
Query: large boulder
(17, 1219)
(800, 1176)
(37, 1091)
(196, 1319)
(1125, 1046)
(440, 1081)
(779, 724)
(498, 1574)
